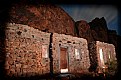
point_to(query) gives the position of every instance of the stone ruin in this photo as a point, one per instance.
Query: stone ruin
(24, 51)
(106, 57)
(77, 62)
(31, 30)
(28, 52)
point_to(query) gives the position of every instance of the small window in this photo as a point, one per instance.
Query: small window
(77, 54)
(44, 51)
(109, 55)
(101, 57)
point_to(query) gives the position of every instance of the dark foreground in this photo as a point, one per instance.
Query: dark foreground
(64, 77)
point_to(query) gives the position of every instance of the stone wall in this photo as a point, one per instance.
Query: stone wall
(75, 65)
(92, 56)
(108, 51)
(24, 51)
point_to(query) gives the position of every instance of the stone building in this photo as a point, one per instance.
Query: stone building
(106, 56)
(28, 52)
(32, 52)
(41, 39)
(102, 57)
(70, 54)
(25, 51)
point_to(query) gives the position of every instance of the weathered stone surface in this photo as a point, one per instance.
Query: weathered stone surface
(96, 30)
(101, 54)
(108, 54)
(100, 30)
(24, 51)
(83, 30)
(72, 43)
(47, 18)
(92, 56)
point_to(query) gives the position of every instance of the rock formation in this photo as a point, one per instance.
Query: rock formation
(96, 30)
(53, 19)
(112, 37)
(99, 29)
(45, 17)
(83, 30)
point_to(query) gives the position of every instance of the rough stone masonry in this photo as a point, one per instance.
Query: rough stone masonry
(24, 51)
(71, 43)
(27, 51)
(102, 56)
(108, 55)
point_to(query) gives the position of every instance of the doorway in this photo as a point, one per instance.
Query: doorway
(63, 60)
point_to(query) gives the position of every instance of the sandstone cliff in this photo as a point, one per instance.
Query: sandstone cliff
(45, 17)
(99, 27)
(51, 18)
(83, 30)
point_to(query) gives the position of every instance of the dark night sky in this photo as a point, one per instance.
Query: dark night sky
(89, 12)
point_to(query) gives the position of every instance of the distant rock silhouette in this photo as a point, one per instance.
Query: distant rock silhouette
(99, 29)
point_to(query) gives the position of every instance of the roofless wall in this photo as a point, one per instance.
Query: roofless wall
(28, 52)
(70, 54)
